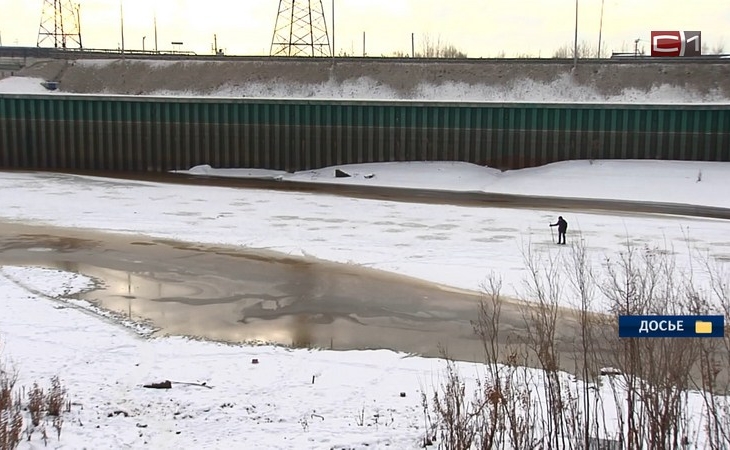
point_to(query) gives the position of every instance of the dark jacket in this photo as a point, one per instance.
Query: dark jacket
(561, 224)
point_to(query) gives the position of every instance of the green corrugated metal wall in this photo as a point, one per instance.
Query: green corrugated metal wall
(158, 134)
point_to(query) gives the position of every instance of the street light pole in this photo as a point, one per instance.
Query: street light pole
(600, 31)
(143, 38)
(121, 20)
(575, 39)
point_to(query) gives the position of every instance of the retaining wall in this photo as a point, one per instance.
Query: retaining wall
(131, 133)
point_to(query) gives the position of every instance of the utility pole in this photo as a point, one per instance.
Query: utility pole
(78, 22)
(121, 20)
(600, 30)
(60, 23)
(363, 44)
(156, 33)
(413, 45)
(300, 29)
(575, 45)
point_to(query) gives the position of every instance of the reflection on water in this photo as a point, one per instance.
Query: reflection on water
(228, 294)
(212, 309)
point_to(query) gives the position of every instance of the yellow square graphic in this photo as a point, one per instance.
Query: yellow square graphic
(702, 327)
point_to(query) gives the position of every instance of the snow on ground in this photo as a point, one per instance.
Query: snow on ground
(689, 182)
(207, 170)
(560, 90)
(23, 85)
(290, 399)
(458, 176)
(451, 245)
(563, 89)
(60, 284)
(273, 404)
(355, 399)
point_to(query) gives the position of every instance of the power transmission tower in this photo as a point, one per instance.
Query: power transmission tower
(60, 24)
(300, 29)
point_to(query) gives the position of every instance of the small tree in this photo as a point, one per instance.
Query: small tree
(585, 50)
(719, 48)
(434, 48)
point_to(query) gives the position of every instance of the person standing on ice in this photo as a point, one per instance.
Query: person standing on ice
(562, 228)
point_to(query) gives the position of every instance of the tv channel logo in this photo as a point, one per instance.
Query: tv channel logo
(671, 326)
(676, 43)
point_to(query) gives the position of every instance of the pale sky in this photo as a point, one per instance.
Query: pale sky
(481, 28)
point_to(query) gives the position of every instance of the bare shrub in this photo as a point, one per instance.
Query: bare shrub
(571, 414)
(8, 378)
(657, 373)
(360, 417)
(513, 407)
(586, 409)
(585, 50)
(39, 404)
(11, 419)
(501, 411)
(57, 425)
(506, 401)
(519, 405)
(719, 47)
(544, 287)
(491, 420)
(715, 355)
(56, 397)
(429, 427)
(434, 48)
(11, 427)
(36, 404)
(497, 414)
(487, 324)
(456, 412)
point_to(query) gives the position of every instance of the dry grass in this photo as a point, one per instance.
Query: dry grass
(56, 398)
(11, 419)
(36, 404)
(39, 405)
(512, 408)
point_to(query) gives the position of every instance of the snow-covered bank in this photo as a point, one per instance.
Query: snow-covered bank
(254, 397)
(273, 404)
(688, 182)
(466, 81)
(23, 85)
